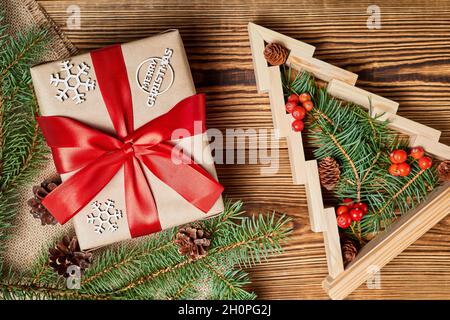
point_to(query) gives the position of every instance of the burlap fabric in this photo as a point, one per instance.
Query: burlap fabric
(28, 236)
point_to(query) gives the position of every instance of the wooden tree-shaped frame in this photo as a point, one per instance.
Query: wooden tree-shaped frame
(387, 245)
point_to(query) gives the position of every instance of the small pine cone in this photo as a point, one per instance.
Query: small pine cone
(329, 173)
(67, 253)
(349, 249)
(40, 192)
(443, 170)
(275, 54)
(192, 241)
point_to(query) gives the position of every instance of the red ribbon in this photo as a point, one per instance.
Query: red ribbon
(98, 156)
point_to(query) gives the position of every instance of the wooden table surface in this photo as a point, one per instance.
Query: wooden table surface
(407, 60)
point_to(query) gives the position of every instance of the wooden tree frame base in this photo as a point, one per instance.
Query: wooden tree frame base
(411, 226)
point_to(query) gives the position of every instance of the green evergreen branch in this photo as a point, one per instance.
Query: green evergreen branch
(182, 291)
(21, 146)
(26, 48)
(221, 277)
(40, 273)
(374, 162)
(27, 162)
(399, 192)
(397, 195)
(324, 116)
(361, 144)
(230, 283)
(152, 276)
(230, 215)
(347, 157)
(23, 291)
(138, 272)
(246, 243)
(123, 263)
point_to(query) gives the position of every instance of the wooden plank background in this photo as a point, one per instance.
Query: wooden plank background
(407, 60)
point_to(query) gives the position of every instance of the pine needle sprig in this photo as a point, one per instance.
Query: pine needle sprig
(230, 283)
(20, 138)
(22, 149)
(392, 196)
(153, 268)
(297, 82)
(247, 245)
(361, 143)
(340, 131)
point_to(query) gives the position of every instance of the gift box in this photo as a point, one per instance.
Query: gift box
(127, 134)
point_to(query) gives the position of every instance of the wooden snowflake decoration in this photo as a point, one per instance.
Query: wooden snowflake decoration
(104, 216)
(72, 82)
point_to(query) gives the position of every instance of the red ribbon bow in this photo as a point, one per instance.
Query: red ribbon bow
(98, 156)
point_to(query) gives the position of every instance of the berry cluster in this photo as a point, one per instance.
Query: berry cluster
(400, 167)
(297, 106)
(349, 212)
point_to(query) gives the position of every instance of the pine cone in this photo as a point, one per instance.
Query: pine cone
(40, 192)
(67, 253)
(443, 170)
(349, 249)
(329, 173)
(193, 241)
(275, 54)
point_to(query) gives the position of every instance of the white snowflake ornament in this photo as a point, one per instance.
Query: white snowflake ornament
(104, 216)
(72, 81)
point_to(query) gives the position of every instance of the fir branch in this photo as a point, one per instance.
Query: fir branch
(181, 292)
(323, 115)
(230, 283)
(21, 51)
(21, 291)
(221, 277)
(348, 158)
(21, 146)
(126, 261)
(27, 162)
(140, 281)
(374, 162)
(356, 232)
(361, 143)
(141, 273)
(39, 275)
(249, 255)
(399, 192)
(231, 214)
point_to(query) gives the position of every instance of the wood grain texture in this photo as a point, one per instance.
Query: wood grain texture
(407, 60)
(322, 70)
(350, 93)
(314, 198)
(332, 244)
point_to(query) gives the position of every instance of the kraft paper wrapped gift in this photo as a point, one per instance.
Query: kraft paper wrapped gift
(159, 77)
